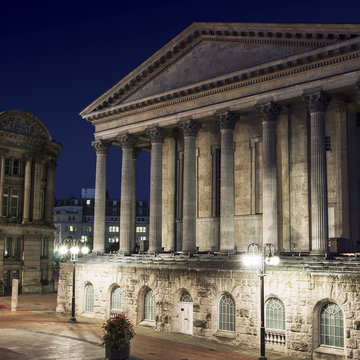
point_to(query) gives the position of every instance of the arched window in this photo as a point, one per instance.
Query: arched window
(149, 306)
(185, 297)
(275, 314)
(89, 298)
(116, 299)
(331, 326)
(226, 313)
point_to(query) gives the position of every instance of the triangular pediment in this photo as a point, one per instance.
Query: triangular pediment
(204, 51)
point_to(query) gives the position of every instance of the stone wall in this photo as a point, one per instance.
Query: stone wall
(303, 289)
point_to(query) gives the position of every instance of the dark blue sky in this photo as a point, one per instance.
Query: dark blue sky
(59, 56)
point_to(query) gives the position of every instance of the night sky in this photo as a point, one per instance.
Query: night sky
(59, 56)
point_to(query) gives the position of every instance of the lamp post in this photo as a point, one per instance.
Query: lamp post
(73, 246)
(258, 258)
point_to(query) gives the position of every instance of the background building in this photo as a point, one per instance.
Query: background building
(252, 141)
(74, 217)
(28, 159)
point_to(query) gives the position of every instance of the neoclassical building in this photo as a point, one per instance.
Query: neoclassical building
(27, 168)
(251, 141)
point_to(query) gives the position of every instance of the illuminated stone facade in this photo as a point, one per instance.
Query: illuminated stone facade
(28, 160)
(251, 141)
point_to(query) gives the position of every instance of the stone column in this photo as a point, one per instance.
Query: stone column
(190, 129)
(27, 188)
(101, 147)
(37, 189)
(156, 136)
(49, 196)
(227, 204)
(3, 153)
(127, 143)
(269, 112)
(317, 103)
(136, 152)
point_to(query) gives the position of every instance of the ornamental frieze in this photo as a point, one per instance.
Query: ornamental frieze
(21, 127)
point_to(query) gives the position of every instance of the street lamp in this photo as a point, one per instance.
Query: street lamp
(74, 247)
(258, 259)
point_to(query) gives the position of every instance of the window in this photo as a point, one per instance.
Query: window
(185, 297)
(274, 314)
(7, 166)
(44, 247)
(87, 228)
(116, 299)
(149, 306)
(140, 229)
(5, 202)
(84, 238)
(113, 239)
(226, 313)
(88, 202)
(72, 228)
(12, 247)
(14, 203)
(16, 167)
(7, 249)
(331, 326)
(113, 228)
(89, 298)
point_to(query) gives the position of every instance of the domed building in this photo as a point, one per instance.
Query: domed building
(27, 167)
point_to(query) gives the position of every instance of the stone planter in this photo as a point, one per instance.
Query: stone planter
(114, 354)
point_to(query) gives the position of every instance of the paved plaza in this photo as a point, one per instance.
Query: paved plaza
(36, 331)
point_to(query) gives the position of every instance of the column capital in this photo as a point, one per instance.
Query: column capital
(101, 146)
(226, 119)
(29, 156)
(269, 111)
(190, 127)
(51, 164)
(136, 152)
(156, 134)
(3, 152)
(317, 101)
(127, 141)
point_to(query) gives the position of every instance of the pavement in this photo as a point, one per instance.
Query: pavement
(36, 331)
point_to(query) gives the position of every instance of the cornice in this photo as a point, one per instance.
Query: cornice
(311, 60)
(298, 34)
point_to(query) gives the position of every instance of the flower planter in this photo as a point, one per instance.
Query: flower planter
(115, 354)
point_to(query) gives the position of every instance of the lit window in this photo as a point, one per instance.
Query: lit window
(72, 228)
(84, 238)
(149, 306)
(89, 298)
(113, 239)
(332, 326)
(88, 202)
(275, 314)
(226, 313)
(116, 299)
(7, 249)
(113, 228)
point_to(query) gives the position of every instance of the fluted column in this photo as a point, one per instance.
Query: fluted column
(27, 188)
(227, 205)
(190, 129)
(317, 103)
(269, 112)
(136, 152)
(101, 147)
(49, 196)
(3, 153)
(127, 142)
(37, 203)
(156, 135)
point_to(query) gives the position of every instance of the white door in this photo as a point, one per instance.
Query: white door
(185, 318)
